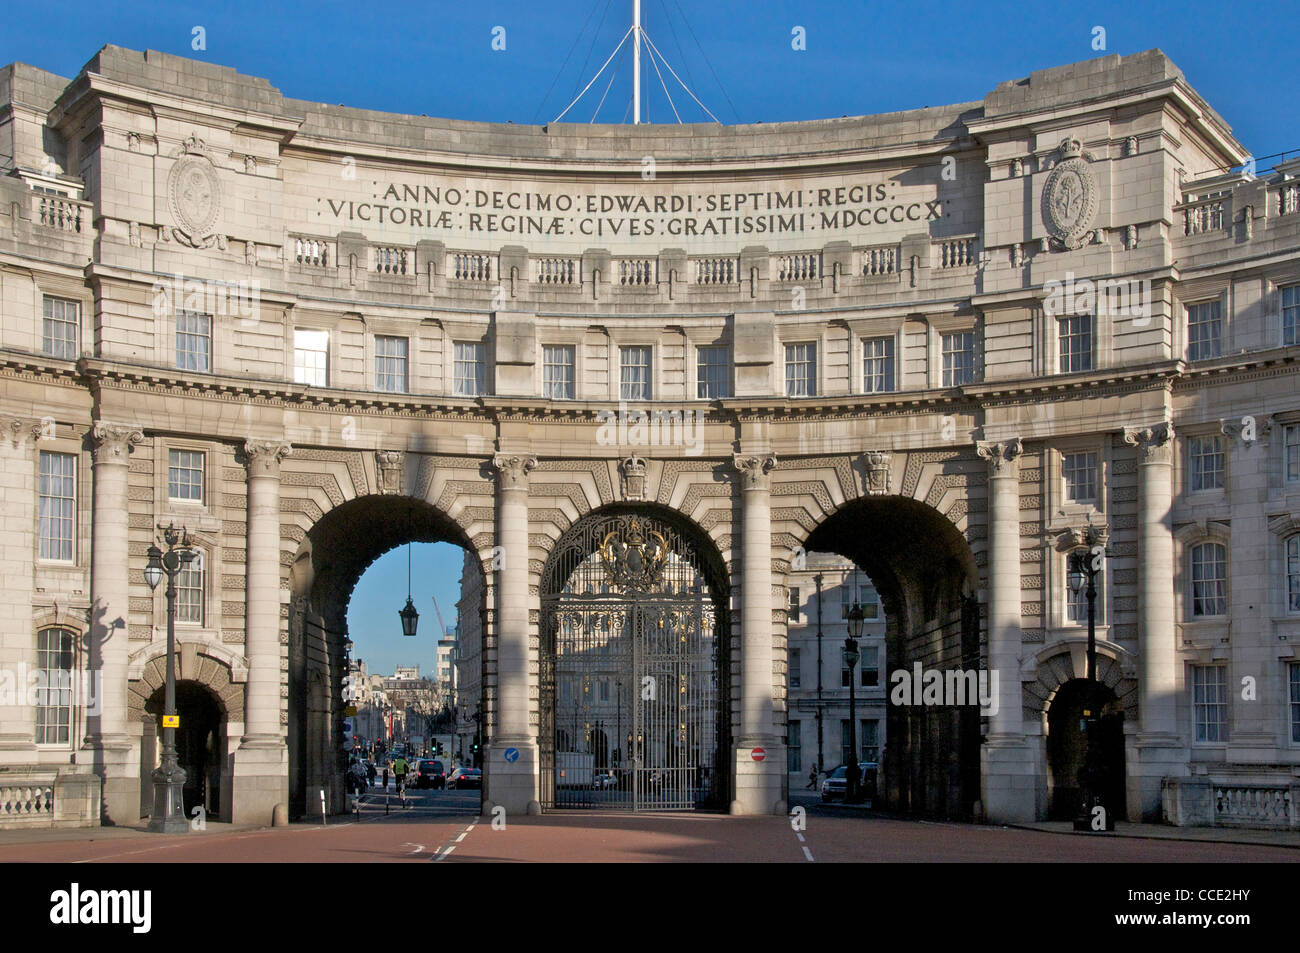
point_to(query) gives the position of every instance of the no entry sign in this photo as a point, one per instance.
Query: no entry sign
(758, 754)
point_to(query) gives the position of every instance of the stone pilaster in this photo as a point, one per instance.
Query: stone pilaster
(113, 752)
(759, 784)
(261, 770)
(1010, 789)
(17, 551)
(512, 782)
(1157, 749)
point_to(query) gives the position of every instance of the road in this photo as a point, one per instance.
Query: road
(444, 827)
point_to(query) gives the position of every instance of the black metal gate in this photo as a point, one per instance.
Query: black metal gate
(631, 681)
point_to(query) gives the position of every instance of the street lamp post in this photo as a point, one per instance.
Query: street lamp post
(1084, 565)
(821, 761)
(851, 656)
(168, 815)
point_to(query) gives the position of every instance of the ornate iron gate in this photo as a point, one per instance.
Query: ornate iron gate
(632, 684)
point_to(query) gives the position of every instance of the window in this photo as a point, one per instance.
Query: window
(59, 327)
(54, 694)
(1204, 463)
(1293, 574)
(1210, 702)
(185, 475)
(794, 604)
(866, 595)
(1209, 579)
(869, 739)
(800, 370)
(557, 372)
(189, 591)
(58, 505)
(604, 689)
(390, 364)
(712, 373)
(794, 747)
(1076, 342)
(870, 664)
(958, 359)
(470, 371)
(1204, 330)
(877, 365)
(1294, 669)
(635, 381)
(193, 341)
(1291, 314)
(1079, 471)
(311, 357)
(1291, 452)
(796, 673)
(1076, 603)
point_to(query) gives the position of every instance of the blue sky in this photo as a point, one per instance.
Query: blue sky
(859, 58)
(437, 58)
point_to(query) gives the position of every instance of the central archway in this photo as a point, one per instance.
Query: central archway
(634, 666)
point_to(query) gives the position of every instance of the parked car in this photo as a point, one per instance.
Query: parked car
(465, 778)
(431, 774)
(836, 784)
(602, 780)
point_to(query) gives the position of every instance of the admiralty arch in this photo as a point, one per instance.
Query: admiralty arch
(639, 373)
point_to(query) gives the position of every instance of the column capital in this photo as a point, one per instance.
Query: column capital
(112, 443)
(754, 469)
(264, 456)
(23, 431)
(1155, 443)
(512, 469)
(1000, 455)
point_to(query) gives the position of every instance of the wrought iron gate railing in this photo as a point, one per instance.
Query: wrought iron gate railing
(632, 688)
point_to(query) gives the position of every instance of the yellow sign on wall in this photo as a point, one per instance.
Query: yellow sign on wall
(171, 721)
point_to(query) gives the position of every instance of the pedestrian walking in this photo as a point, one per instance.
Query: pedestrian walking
(385, 777)
(812, 778)
(370, 772)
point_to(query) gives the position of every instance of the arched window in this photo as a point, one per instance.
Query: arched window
(1293, 573)
(54, 659)
(1209, 564)
(190, 591)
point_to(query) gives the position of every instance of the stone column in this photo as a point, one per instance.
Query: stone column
(261, 767)
(18, 548)
(1157, 748)
(759, 784)
(114, 753)
(511, 763)
(1011, 789)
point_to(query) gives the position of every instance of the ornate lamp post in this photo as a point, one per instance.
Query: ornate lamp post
(168, 815)
(851, 656)
(1083, 568)
(821, 761)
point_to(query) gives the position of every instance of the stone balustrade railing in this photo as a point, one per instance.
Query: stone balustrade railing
(558, 271)
(466, 266)
(1252, 806)
(1288, 198)
(27, 800)
(393, 260)
(636, 272)
(312, 251)
(804, 266)
(715, 271)
(60, 212)
(1203, 216)
(956, 253)
(879, 261)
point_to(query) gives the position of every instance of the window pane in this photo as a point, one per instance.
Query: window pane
(57, 504)
(878, 365)
(800, 370)
(1080, 473)
(794, 742)
(557, 373)
(1205, 460)
(1293, 574)
(1204, 331)
(54, 659)
(958, 358)
(1291, 441)
(1291, 314)
(1076, 342)
(1210, 702)
(390, 364)
(635, 381)
(311, 357)
(189, 592)
(193, 341)
(1209, 579)
(470, 370)
(1295, 701)
(713, 365)
(185, 475)
(59, 328)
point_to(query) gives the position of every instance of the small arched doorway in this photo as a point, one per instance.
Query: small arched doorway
(200, 744)
(1067, 748)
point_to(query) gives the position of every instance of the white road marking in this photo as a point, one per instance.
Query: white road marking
(798, 835)
(807, 853)
(461, 837)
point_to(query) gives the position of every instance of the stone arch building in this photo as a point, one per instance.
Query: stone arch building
(941, 343)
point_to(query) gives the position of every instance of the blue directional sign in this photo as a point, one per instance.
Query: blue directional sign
(512, 754)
